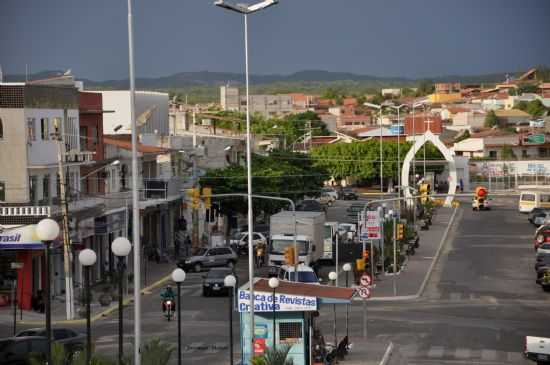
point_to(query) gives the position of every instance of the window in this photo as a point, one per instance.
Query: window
(524, 153)
(44, 129)
(2, 191)
(1, 129)
(83, 138)
(528, 197)
(544, 198)
(31, 133)
(46, 187)
(493, 154)
(32, 189)
(290, 332)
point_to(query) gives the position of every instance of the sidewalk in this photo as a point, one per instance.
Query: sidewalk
(411, 280)
(365, 352)
(157, 275)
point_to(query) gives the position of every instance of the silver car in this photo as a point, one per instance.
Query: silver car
(210, 257)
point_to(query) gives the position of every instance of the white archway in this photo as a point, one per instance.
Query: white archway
(430, 137)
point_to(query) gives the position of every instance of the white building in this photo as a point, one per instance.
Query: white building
(266, 105)
(151, 112)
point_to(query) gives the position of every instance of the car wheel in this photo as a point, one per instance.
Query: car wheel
(230, 264)
(197, 267)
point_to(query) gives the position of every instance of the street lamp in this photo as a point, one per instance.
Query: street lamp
(347, 268)
(273, 284)
(398, 108)
(394, 271)
(47, 230)
(121, 247)
(87, 259)
(332, 277)
(230, 281)
(379, 107)
(245, 10)
(178, 276)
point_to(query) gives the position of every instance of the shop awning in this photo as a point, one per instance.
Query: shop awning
(21, 238)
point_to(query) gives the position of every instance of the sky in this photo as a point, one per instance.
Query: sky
(405, 38)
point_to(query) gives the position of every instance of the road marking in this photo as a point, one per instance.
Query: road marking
(462, 353)
(436, 351)
(455, 296)
(514, 357)
(488, 354)
(217, 347)
(192, 347)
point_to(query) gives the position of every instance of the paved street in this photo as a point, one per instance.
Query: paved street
(480, 301)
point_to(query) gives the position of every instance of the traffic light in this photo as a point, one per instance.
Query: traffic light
(400, 231)
(366, 254)
(196, 198)
(424, 190)
(290, 256)
(207, 194)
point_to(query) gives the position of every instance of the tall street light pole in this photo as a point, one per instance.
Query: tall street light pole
(332, 277)
(347, 268)
(246, 10)
(47, 230)
(87, 259)
(121, 247)
(274, 284)
(135, 196)
(178, 276)
(398, 108)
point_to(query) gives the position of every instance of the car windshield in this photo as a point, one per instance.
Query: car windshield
(29, 333)
(201, 252)
(278, 246)
(217, 274)
(328, 231)
(239, 235)
(304, 277)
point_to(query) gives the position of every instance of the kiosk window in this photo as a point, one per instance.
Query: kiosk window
(290, 332)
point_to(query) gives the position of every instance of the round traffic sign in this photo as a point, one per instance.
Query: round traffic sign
(365, 280)
(363, 292)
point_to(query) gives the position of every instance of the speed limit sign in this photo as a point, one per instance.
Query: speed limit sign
(365, 280)
(363, 292)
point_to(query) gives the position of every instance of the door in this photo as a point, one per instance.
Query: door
(210, 257)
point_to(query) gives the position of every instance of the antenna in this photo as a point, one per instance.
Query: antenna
(1, 74)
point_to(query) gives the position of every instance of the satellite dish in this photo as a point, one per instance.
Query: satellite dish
(68, 72)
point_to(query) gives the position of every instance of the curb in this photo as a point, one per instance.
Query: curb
(104, 313)
(428, 274)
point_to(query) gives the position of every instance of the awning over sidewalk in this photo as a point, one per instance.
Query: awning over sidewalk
(21, 238)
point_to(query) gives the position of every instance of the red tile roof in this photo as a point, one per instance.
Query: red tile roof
(124, 141)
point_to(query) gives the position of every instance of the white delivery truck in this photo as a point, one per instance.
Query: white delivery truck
(329, 240)
(537, 349)
(309, 238)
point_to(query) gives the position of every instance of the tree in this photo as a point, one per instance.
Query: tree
(536, 108)
(425, 87)
(527, 88)
(491, 119)
(507, 153)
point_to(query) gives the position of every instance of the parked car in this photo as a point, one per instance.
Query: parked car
(213, 282)
(310, 205)
(73, 341)
(542, 234)
(305, 274)
(331, 192)
(19, 350)
(536, 211)
(210, 257)
(544, 248)
(325, 200)
(239, 242)
(349, 194)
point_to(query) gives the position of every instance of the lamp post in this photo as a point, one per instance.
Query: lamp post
(379, 107)
(398, 108)
(87, 259)
(245, 10)
(391, 215)
(178, 276)
(47, 230)
(332, 277)
(273, 284)
(347, 268)
(230, 281)
(121, 247)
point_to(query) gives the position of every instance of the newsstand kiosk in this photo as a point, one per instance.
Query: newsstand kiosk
(292, 310)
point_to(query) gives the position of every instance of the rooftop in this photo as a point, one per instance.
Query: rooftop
(124, 141)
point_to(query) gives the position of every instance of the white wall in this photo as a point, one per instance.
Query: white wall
(118, 101)
(13, 155)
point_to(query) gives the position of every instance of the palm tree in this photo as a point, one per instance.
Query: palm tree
(276, 356)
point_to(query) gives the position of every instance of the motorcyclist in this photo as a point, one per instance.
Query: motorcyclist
(167, 294)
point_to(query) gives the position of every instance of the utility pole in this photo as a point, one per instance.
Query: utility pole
(195, 211)
(61, 153)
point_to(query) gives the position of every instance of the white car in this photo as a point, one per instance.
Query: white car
(330, 192)
(240, 241)
(305, 274)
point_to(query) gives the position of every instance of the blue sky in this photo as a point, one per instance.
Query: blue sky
(411, 38)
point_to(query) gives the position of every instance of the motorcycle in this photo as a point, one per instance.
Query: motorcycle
(168, 306)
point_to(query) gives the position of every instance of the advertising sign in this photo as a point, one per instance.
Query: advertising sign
(263, 302)
(259, 346)
(20, 238)
(372, 225)
(533, 139)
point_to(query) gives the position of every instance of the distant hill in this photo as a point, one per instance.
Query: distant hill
(184, 80)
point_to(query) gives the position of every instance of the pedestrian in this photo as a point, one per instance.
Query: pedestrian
(187, 244)
(461, 186)
(177, 248)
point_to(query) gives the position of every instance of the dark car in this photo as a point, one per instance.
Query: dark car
(210, 257)
(310, 205)
(213, 282)
(349, 194)
(19, 350)
(536, 211)
(542, 260)
(73, 341)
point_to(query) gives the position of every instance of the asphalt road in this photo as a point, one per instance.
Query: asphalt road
(480, 302)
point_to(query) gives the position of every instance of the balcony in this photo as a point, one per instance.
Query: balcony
(25, 211)
(161, 189)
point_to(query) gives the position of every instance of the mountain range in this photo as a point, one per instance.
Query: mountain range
(209, 78)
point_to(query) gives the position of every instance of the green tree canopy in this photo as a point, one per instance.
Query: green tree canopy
(491, 119)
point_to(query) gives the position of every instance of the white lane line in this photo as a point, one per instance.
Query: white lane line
(489, 355)
(436, 351)
(462, 353)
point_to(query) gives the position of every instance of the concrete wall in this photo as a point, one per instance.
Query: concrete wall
(118, 101)
(13, 155)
